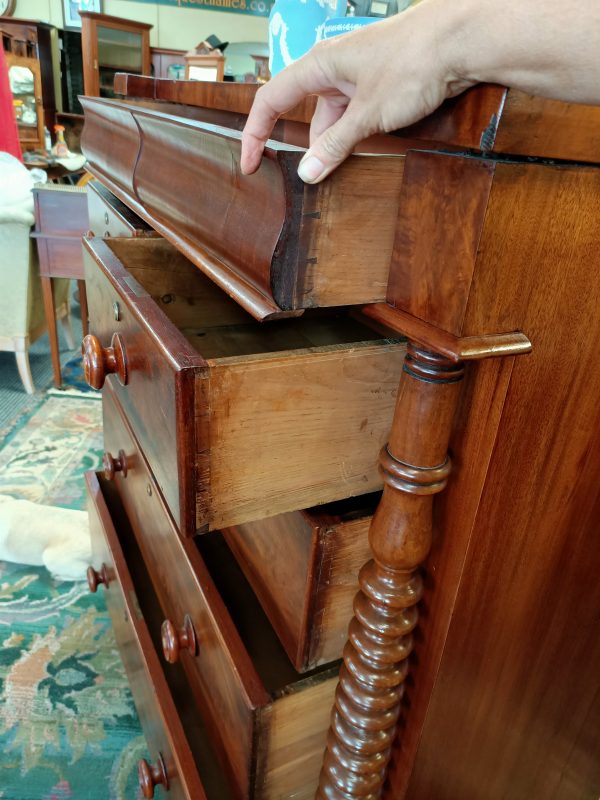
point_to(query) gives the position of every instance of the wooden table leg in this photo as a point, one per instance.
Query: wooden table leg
(415, 467)
(83, 306)
(50, 311)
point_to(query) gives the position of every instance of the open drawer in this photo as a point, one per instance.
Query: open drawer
(239, 420)
(110, 217)
(173, 768)
(272, 242)
(303, 567)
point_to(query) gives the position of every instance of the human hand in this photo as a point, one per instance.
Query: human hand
(380, 78)
(393, 73)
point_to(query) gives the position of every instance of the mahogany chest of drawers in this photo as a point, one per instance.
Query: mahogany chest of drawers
(271, 355)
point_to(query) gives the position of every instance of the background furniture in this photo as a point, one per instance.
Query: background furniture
(110, 45)
(61, 219)
(163, 58)
(71, 69)
(21, 306)
(26, 87)
(488, 265)
(204, 67)
(28, 44)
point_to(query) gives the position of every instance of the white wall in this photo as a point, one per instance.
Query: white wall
(178, 28)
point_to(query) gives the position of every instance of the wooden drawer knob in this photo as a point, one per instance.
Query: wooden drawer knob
(94, 578)
(111, 465)
(174, 641)
(151, 775)
(98, 361)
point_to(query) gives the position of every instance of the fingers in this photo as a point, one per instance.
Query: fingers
(261, 119)
(279, 95)
(327, 112)
(334, 145)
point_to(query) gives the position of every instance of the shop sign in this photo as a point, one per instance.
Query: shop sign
(257, 8)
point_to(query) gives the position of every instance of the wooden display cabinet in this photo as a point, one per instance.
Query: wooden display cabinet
(163, 58)
(204, 66)
(110, 45)
(26, 87)
(27, 45)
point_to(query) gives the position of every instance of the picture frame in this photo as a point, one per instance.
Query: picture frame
(71, 9)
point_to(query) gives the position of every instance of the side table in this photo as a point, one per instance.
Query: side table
(61, 219)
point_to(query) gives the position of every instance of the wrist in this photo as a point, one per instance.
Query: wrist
(462, 33)
(458, 40)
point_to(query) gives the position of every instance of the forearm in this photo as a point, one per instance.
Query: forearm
(545, 47)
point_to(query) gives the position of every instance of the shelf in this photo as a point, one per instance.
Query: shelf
(116, 43)
(121, 68)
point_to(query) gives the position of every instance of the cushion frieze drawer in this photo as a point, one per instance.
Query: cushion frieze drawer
(274, 243)
(245, 687)
(239, 420)
(172, 768)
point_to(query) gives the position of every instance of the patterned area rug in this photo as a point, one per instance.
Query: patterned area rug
(72, 378)
(44, 457)
(68, 727)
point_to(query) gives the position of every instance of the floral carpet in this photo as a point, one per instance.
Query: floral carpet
(68, 727)
(44, 457)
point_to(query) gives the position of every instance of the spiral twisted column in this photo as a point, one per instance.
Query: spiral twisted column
(415, 466)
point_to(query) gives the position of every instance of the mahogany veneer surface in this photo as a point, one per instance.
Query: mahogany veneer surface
(506, 684)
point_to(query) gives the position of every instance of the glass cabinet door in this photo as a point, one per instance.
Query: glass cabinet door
(25, 86)
(118, 51)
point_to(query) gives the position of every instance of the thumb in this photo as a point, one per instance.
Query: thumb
(332, 147)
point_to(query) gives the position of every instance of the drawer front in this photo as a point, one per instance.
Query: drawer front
(274, 243)
(154, 389)
(303, 567)
(170, 752)
(221, 673)
(111, 217)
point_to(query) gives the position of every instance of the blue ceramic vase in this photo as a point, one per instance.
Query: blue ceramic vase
(295, 26)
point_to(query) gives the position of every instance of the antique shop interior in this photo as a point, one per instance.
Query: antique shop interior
(299, 400)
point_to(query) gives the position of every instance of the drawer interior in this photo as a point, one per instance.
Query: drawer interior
(213, 323)
(303, 567)
(264, 648)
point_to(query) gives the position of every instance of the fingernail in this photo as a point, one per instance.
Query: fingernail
(310, 169)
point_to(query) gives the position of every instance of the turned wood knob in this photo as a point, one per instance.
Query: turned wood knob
(151, 775)
(94, 578)
(174, 641)
(111, 465)
(98, 361)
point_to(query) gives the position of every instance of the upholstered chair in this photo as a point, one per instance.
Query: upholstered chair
(22, 318)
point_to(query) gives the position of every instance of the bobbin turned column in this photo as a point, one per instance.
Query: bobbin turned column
(415, 467)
